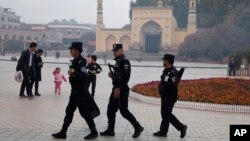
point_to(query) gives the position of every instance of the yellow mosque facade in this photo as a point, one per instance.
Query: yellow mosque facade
(152, 30)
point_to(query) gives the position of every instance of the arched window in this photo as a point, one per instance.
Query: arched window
(69, 32)
(79, 32)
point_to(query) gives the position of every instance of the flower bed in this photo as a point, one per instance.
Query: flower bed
(214, 90)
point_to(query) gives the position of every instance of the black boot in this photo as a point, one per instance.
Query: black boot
(92, 135)
(138, 131)
(160, 134)
(108, 132)
(59, 135)
(183, 131)
(37, 94)
(22, 95)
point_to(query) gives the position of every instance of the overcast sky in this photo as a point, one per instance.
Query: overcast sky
(116, 12)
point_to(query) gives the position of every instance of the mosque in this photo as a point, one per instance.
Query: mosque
(152, 30)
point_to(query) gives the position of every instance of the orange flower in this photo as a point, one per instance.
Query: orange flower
(214, 90)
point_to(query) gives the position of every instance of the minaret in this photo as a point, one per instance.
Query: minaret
(191, 27)
(99, 27)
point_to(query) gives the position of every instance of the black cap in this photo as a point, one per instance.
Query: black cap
(76, 45)
(116, 47)
(169, 57)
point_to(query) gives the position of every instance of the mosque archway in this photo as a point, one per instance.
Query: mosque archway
(125, 41)
(151, 34)
(110, 40)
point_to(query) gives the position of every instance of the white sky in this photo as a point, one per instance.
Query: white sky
(116, 12)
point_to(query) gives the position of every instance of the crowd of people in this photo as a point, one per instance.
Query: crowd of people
(82, 73)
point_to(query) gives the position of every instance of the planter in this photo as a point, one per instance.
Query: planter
(194, 105)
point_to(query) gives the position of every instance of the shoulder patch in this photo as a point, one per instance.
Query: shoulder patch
(126, 66)
(83, 69)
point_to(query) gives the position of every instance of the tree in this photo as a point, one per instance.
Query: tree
(246, 55)
(215, 43)
(237, 59)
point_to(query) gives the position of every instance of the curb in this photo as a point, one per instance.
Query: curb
(194, 105)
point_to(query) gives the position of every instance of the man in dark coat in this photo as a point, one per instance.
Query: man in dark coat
(25, 64)
(232, 67)
(79, 94)
(168, 89)
(93, 69)
(38, 63)
(120, 93)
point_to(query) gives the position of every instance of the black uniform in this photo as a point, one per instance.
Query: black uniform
(121, 76)
(92, 77)
(79, 95)
(168, 89)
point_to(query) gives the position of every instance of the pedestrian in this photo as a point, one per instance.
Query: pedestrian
(168, 89)
(232, 67)
(58, 78)
(93, 69)
(38, 63)
(45, 54)
(57, 55)
(25, 64)
(120, 92)
(105, 59)
(79, 94)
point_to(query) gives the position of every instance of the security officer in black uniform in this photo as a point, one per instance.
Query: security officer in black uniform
(168, 89)
(79, 92)
(120, 92)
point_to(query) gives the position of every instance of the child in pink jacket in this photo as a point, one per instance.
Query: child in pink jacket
(58, 78)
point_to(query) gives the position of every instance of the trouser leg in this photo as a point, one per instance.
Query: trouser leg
(93, 87)
(32, 81)
(85, 113)
(124, 109)
(168, 117)
(36, 86)
(26, 83)
(23, 85)
(69, 114)
(111, 113)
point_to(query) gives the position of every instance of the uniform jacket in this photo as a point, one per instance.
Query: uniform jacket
(122, 71)
(168, 86)
(79, 77)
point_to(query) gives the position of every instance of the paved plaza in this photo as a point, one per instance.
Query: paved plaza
(37, 119)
